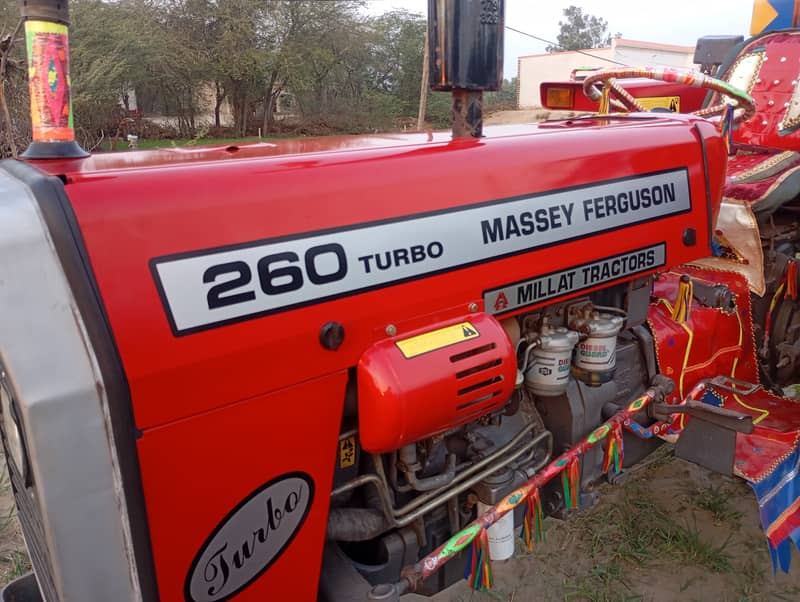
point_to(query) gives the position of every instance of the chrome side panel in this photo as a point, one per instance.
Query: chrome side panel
(53, 374)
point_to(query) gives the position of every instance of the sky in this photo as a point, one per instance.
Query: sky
(672, 22)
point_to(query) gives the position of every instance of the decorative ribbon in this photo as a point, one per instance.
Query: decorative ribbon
(605, 103)
(428, 565)
(478, 571)
(683, 304)
(726, 127)
(533, 523)
(791, 280)
(614, 453)
(570, 478)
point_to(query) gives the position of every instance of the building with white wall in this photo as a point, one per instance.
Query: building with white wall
(534, 69)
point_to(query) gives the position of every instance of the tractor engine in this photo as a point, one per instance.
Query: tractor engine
(448, 421)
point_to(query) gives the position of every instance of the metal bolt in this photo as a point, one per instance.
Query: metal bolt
(391, 330)
(771, 102)
(473, 307)
(758, 81)
(776, 82)
(783, 59)
(764, 122)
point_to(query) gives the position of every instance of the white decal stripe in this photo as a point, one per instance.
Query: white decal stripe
(311, 268)
(578, 278)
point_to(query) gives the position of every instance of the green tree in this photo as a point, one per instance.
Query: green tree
(340, 69)
(505, 98)
(580, 31)
(398, 40)
(14, 112)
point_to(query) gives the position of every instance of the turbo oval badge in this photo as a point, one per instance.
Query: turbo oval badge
(250, 538)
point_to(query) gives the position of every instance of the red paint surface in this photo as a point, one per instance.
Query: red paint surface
(226, 410)
(402, 400)
(131, 215)
(196, 471)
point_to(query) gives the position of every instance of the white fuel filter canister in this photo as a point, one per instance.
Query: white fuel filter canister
(548, 371)
(596, 355)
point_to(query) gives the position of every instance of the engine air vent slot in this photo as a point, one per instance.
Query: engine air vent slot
(484, 383)
(471, 352)
(481, 399)
(479, 368)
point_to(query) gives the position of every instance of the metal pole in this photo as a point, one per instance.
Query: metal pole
(467, 113)
(423, 88)
(47, 45)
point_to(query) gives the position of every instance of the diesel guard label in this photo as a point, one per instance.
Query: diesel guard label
(210, 287)
(571, 280)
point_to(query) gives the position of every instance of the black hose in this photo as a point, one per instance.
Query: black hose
(355, 524)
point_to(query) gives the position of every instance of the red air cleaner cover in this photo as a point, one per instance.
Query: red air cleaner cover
(417, 385)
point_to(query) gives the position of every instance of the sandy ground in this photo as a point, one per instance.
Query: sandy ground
(13, 556)
(672, 531)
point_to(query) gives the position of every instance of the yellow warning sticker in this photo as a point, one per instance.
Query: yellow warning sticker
(673, 103)
(436, 339)
(347, 452)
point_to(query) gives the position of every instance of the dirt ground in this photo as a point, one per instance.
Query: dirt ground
(13, 556)
(672, 531)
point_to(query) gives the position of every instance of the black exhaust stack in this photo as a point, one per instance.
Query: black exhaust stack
(466, 56)
(47, 42)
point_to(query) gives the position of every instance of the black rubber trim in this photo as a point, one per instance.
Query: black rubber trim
(709, 211)
(56, 208)
(54, 150)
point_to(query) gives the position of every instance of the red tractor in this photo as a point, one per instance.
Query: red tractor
(346, 368)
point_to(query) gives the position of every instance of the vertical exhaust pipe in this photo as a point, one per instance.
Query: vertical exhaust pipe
(47, 45)
(465, 41)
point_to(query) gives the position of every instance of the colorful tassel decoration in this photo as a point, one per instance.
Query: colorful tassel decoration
(478, 571)
(605, 100)
(791, 280)
(533, 523)
(726, 128)
(683, 304)
(569, 478)
(614, 454)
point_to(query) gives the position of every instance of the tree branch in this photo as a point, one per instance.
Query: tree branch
(7, 47)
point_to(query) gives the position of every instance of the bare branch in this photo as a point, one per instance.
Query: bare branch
(6, 46)
(99, 142)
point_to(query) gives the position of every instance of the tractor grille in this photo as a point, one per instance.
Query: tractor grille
(479, 377)
(32, 527)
